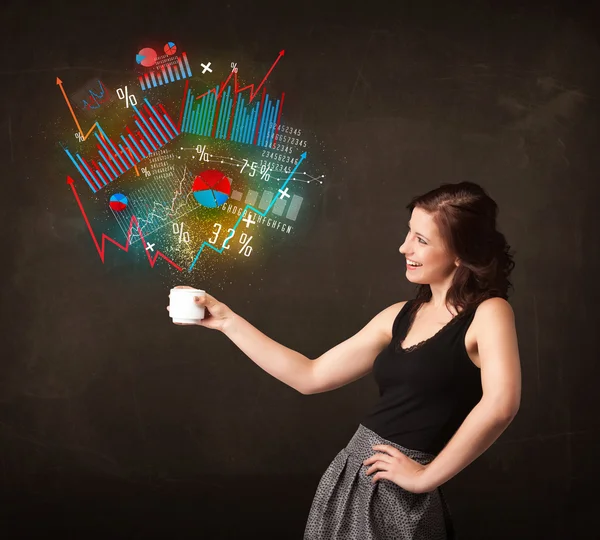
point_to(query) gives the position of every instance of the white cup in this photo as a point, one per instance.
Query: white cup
(182, 308)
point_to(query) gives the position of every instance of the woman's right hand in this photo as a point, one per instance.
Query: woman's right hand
(216, 314)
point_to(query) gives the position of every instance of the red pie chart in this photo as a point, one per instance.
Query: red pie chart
(211, 188)
(146, 57)
(170, 48)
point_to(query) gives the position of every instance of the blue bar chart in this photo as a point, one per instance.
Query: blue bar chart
(154, 131)
(231, 117)
(178, 70)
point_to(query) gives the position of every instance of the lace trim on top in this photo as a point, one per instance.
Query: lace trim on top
(421, 343)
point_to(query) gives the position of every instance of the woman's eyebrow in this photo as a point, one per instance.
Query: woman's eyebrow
(419, 233)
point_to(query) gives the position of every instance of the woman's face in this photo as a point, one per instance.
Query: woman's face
(424, 245)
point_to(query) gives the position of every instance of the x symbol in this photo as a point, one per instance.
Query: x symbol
(206, 67)
(150, 247)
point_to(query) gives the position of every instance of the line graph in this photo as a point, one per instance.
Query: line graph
(101, 249)
(84, 137)
(248, 206)
(222, 115)
(171, 201)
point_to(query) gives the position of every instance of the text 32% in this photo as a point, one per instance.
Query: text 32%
(246, 247)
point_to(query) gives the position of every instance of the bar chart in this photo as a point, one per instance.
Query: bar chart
(265, 200)
(176, 71)
(227, 115)
(154, 130)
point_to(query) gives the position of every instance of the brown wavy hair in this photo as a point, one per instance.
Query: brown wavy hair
(466, 218)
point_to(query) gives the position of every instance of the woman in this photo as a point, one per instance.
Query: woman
(446, 363)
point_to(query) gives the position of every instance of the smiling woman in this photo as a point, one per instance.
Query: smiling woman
(446, 363)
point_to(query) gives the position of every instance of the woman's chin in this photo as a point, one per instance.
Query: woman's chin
(413, 279)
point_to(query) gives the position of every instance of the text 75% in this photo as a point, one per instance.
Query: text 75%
(264, 170)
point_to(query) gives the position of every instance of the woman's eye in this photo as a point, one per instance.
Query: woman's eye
(422, 241)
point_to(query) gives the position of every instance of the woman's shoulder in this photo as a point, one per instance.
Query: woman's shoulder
(493, 311)
(388, 317)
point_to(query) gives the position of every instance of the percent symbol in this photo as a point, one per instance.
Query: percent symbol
(246, 247)
(201, 149)
(79, 137)
(264, 172)
(145, 171)
(234, 67)
(178, 229)
(125, 95)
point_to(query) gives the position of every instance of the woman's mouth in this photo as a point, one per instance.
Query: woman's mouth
(412, 265)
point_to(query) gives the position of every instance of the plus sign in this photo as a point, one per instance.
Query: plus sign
(150, 247)
(284, 193)
(206, 67)
(248, 220)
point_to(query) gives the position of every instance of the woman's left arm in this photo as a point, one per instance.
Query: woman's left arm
(501, 384)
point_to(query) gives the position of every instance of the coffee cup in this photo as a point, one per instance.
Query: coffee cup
(182, 308)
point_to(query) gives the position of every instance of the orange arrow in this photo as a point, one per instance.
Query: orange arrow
(59, 83)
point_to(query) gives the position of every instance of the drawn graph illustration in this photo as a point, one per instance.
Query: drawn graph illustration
(165, 73)
(283, 194)
(154, 131)
(91, 96)
(223, 113)
(101, 247)
(158, 204)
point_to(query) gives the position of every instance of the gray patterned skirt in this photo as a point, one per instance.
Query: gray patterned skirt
(348, 506)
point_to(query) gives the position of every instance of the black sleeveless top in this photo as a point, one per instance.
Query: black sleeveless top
(427, 390)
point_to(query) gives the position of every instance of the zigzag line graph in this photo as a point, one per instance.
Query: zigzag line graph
(237, 90)
(175, 205)
(224, 116)
(275, 199)
(102, 249)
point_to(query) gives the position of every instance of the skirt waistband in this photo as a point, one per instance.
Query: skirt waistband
(360, 446)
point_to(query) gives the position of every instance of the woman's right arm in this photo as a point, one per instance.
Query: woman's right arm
(341, 365)
(353, 359)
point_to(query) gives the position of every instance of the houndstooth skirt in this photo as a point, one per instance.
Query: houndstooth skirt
(348, 506)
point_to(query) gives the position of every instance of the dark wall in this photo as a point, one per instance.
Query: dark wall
(116, 423)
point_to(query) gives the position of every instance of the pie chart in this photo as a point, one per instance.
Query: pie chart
(170, 48)
(211, 188)
(146, 57)
(118, 202)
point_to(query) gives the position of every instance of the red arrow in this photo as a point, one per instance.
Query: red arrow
(101, 249)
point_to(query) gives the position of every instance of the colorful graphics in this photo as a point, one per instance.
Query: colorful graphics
(118, 202)
(166, 73)
(101, 248)
(211, 188)
(146, 57)
(113, 160)
(188, 162)
(222, 114)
